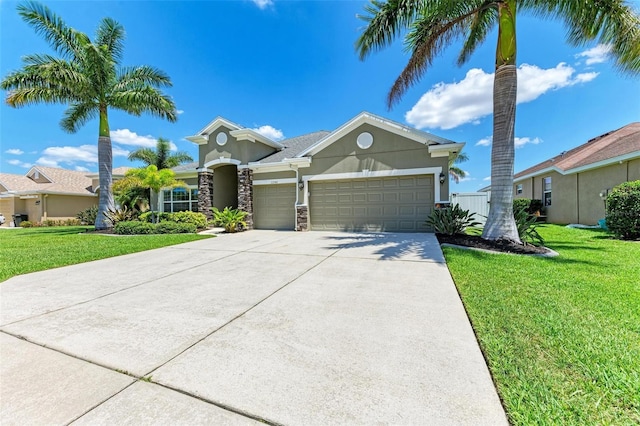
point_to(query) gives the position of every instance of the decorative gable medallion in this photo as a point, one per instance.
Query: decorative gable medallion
(221, 138)
(365, 140)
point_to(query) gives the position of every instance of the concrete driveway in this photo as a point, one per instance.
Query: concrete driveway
(280, 327)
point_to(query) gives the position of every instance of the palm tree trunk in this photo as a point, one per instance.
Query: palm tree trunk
(105, 168)
(500, 222)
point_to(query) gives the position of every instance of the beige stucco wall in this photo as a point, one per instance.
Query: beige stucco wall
(575, 198)
(66, 206)
(244, 151)
(6, 208)
(32, 207)
(225, 187)
(388, 152)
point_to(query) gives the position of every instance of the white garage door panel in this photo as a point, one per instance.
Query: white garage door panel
(376, 204)
(274, 206)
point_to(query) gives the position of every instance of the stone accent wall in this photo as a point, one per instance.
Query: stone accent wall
(205, 193)
(302, 218)
(245, 194)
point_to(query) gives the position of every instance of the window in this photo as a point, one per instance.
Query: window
(546, 191)
(519, 188)
(180, 199)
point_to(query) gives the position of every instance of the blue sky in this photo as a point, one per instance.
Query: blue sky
(289, 68)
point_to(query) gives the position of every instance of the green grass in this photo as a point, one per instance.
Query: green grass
(36, 249)
(561, 335)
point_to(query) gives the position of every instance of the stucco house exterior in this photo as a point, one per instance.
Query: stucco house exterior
(369, 174)
(574, 184)
(49, 193)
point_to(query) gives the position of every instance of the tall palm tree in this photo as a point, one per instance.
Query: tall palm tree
(162, 157)
(87, 76)
(455, 172)
(433, 25)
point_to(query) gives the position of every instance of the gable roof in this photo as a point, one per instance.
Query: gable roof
(385, 124)
(62, 181)
(237, 131)
(617, 145)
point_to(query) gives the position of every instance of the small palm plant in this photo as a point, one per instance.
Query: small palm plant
(231, 219)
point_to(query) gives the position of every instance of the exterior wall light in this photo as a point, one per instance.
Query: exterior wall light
(442, 178)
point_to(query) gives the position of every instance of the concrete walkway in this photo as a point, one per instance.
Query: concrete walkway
(280, 327)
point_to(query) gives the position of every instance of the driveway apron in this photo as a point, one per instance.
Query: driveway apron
(278, 327)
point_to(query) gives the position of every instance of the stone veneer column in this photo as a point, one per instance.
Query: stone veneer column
(205, 193)
(302, 218)
(245, 194)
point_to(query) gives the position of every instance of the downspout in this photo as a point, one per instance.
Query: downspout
(578, 197)
(44, 206)
(295, 207)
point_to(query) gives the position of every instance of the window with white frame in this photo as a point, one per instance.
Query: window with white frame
(546, 191)
(519, 188)
(179, 199)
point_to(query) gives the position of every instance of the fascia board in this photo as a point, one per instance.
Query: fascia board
(444, 149)
(217, 122)
(253, 136)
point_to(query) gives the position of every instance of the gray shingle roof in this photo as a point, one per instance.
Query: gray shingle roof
(294, 146)
(186, 167)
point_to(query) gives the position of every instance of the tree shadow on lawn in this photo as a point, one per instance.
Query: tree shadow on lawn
(393, 245)
(51, 231)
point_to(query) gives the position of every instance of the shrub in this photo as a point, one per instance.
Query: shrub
(526, 224)
(175, 228)
(195, 218)
(88, 216)
(231, 219)
(62, 222)
(530, 206)
(26, 224)
(124, 214)
(134, 228)
(451, 220)
(160, 216)
(623, 210)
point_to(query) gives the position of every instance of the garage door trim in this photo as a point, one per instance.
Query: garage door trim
(435, 171)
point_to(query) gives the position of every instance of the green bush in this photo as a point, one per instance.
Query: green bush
(160, 216)
(451, 220)
(526, 224)
(125, 214)
(88, 216)
(195, 218)
(62, 222)
(175, 228)
(623, 210)
(530, 206)
(26, 224)
(231, 219)
(134, 228)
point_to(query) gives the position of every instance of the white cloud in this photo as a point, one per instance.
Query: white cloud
(263, 4)
(269, 132)
(15, 151)
(180, 111)
(448, 105)
(518, 142)
(54, 156)
(81, 169)
(19, 163)
(467, 177)
(487, 179)
(596, 55)
(127, 137)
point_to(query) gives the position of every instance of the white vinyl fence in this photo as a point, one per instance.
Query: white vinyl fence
(475, 202)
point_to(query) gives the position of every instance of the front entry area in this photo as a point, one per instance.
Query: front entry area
(396, 204)
(274, 206)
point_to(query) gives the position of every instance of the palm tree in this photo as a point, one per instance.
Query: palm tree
(150, 178)
(162, 157)
(87, 76)
(455, 172)
(432, 25)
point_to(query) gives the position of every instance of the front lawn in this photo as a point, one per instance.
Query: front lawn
(561, 335)
(36, 249)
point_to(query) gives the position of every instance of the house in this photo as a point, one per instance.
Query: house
(371, 174)
(573, 185)
(48, 193)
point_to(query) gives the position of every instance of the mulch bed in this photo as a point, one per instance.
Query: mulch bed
(503, 246)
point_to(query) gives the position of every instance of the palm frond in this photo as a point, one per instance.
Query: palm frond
(385, 21)
(60, 37)
(111, 34)
(148, 100)
(457, 173)
(77, 115)
(136, 77)
(146, 155)
(481, 25)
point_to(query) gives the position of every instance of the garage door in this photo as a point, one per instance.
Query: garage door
(374, 204)
(274, 206)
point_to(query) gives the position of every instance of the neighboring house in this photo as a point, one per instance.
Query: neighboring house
(369, 174)
(46, 193)
(574, 184)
